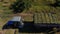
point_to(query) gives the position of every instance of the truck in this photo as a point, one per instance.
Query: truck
(40, 22)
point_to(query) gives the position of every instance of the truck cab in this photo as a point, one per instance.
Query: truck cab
(15, 22)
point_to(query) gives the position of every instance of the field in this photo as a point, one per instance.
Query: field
(45, 12)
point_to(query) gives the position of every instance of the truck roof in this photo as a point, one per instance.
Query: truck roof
(16, 18)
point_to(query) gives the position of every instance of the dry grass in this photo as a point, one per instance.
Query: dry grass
(37, 5)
